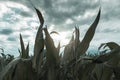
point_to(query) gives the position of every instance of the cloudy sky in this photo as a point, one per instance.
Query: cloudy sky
(18, 16)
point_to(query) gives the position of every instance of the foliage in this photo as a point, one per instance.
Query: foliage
(4, 59)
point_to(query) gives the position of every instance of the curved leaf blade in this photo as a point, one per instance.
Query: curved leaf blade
(39, 41)
(83, 46)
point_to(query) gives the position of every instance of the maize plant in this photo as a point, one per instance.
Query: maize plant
(4, 59)
(74, 64)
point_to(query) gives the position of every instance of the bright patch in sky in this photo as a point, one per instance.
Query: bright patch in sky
(61, 37)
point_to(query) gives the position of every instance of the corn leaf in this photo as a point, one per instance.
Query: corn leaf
(52, 55)
(22, 47)
(112, 59)
(77, 40)
(39, 41)
(107, 56)
(72, 39)
(111, 45)
(77, 35)
(54, 32)
(58, 48)
(69, 51)
(41, 19)
(27, 51)
(83, 46)
(20, 52)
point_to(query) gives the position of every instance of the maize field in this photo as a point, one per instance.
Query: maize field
(48, 64)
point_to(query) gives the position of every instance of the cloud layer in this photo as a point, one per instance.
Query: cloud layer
(60, 15)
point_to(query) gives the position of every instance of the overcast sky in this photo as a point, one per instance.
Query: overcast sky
(18, 16)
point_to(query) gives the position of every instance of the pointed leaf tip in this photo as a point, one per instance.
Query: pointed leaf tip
(22, 47)
(84, 45)
(41, 19)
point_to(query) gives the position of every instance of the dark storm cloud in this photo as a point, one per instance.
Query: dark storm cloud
(26, 14)
(11, 39)
(77, 23)
(111, 14)
(6, 31)
(110, 9)
(108, 30)
(58, 11)
(26, 36)
(9, 18)
(20, 11)
(32, 21)
(25, 29)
